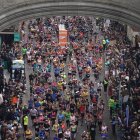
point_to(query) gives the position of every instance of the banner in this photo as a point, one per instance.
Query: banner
(16, 37)
(63, 38)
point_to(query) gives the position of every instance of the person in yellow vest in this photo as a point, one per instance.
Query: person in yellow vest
(60, 84)
(104, 44)
(105, 84)
(25, 122)
(84, 93)
(55, 126)
(67, 96)
(28, 134)
(111, 104)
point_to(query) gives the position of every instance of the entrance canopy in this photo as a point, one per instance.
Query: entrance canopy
(13, 11)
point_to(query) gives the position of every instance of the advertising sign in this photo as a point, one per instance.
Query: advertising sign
(63, 36)
(16, 37)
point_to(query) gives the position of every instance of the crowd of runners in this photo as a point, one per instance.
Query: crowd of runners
(72, 87)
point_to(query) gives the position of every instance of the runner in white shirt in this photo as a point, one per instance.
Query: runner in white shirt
(33, 113)
(72, 119)
(67, 135)
(99, 88)
(104, 131)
